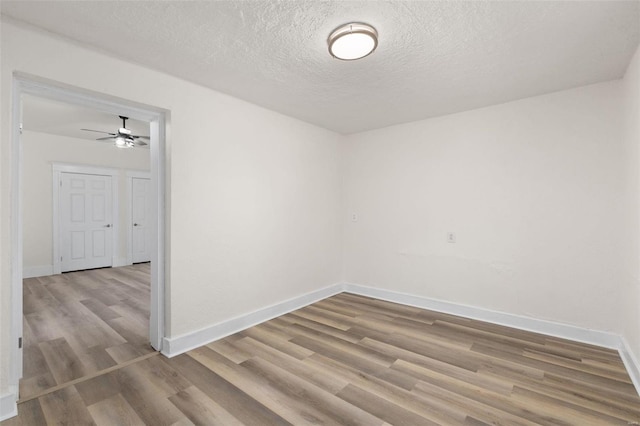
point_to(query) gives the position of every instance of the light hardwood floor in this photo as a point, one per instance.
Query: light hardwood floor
(357, 361)
(79, 323)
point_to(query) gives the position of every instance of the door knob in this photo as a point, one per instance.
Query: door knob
(108, 226)
(135, 224)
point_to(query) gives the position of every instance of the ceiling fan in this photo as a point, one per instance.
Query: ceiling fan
(124, 138)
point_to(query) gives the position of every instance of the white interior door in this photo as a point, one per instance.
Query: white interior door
(86, 221)
(141, 226)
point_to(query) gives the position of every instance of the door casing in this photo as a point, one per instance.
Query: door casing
(23, 84)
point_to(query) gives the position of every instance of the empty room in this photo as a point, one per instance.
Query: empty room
(320, 212)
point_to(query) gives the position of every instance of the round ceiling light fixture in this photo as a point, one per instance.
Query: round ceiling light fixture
(353, 41)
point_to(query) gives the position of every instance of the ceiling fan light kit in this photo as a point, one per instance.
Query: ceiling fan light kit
(124, 138)
(123, 143)
(353, 41)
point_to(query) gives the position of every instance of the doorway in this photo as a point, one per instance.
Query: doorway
(27, 85)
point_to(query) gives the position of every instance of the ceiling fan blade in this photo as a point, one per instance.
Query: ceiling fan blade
(98, 131)
(123, 134)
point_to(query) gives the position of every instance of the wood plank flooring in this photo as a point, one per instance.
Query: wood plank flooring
(352, 360)
(81, 323)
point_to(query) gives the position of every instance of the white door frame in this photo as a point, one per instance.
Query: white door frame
(131, 174)
(27, 84)
(58, 169)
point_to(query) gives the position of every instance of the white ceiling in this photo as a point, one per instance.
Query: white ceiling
(434, 57)
(47, 116)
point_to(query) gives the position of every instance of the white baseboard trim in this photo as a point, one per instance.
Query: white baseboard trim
(8, 406)
(550, 328)
(177, 345)
(180, 344)
(46, 270)
(37, 271)
(631, 362)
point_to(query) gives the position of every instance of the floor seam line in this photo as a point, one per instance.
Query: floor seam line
(88, 377)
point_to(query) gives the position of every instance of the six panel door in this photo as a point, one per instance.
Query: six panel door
(86, 222)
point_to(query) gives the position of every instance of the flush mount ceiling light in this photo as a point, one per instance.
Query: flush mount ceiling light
(353, 41)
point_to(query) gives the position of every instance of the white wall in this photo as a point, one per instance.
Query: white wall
(532, 189)
(254, 196)
(535, 191)
(39, 151)
(630, 308)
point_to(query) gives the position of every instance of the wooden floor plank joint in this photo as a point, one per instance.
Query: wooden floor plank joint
(348, 360)
(87, 377)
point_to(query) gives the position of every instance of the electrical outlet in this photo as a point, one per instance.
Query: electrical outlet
(354, 217)
(451, 237)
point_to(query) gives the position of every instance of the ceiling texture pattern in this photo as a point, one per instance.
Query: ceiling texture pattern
(433, 58)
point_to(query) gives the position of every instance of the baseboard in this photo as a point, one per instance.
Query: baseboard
(550, 328)
(183, 343)
(177, 345)
(37, 271)
(46, 270)
(631, 362)
(8, 406)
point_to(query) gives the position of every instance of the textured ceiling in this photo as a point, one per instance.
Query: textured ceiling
(434, 57)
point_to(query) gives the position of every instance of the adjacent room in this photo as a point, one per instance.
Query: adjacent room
(86, 243)
(320, 212)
